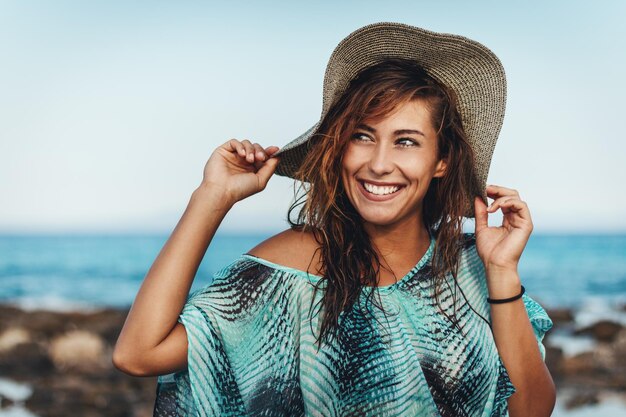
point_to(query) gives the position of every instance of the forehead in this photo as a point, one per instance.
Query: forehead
(415, 111)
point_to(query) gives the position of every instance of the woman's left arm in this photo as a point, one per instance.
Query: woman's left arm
(500, 249)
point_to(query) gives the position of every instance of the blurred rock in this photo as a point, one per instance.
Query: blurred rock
(578, 364)
(12, 337)
(602, 370)
(27, 359)
(603, 330)
(581, 399)
(66, 358)
(560, 315)
(6, 403)
(619, 345)
(79, 350)
(109, 395)
(8, 316)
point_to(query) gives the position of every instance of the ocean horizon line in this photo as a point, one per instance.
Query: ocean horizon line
(261, 232)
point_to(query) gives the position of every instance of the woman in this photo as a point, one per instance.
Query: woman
(374, 302)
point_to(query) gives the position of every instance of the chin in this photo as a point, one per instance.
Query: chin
(378, 220)
(391, 217)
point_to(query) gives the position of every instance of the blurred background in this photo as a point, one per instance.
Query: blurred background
(110, 110)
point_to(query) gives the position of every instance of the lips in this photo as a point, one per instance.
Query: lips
(379, 191)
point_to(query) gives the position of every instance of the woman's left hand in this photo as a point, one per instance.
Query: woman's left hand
(500, 247)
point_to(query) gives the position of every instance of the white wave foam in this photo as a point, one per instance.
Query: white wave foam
(52, 303)
(595, 309)
(610, 406)
(16, 411)
(14, 391)
(572, 345)
(17, 393)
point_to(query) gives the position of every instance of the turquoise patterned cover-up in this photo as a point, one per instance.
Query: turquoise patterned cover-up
(251, 348)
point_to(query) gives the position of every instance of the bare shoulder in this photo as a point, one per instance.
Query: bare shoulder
(291, 248)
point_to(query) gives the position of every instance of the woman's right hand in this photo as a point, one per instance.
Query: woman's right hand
(239, 169)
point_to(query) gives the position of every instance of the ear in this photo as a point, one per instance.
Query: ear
(440, 169)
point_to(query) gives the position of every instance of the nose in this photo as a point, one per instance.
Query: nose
(380, 162)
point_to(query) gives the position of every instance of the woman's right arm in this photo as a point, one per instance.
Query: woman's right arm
(152, 342)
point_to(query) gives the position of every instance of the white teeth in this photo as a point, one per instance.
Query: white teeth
(378, 190)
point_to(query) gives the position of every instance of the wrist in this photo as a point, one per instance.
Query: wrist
(508, 299)
(214, 195)
(504, 283)
(501, 269)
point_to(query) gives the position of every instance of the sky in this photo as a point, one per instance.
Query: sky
(110, 110)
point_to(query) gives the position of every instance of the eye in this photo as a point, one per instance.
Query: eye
(407, 142)
(361, 137)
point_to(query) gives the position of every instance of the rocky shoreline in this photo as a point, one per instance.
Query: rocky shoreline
(64, 358)
(597, 367)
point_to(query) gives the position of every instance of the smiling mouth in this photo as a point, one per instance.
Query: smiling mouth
(380, 190)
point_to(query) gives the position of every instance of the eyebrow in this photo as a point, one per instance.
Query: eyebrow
(397, 132)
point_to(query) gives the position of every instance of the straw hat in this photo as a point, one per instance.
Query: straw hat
(466, 66)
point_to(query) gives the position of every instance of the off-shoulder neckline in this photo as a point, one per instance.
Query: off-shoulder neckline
(312, 277)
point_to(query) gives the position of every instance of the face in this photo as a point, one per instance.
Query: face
(389, 164)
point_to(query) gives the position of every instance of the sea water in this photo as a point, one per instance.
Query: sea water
(67, 272)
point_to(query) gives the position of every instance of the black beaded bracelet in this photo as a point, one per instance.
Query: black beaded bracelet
(507, 300)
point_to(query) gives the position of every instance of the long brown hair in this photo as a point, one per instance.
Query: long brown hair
(348, 259)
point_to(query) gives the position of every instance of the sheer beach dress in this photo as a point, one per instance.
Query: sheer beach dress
(252, 348)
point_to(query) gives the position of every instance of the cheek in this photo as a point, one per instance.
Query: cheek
(417, 166)
(417, 176)
(354, 158)
(348, 164)
(346, 180)
(349, 167)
